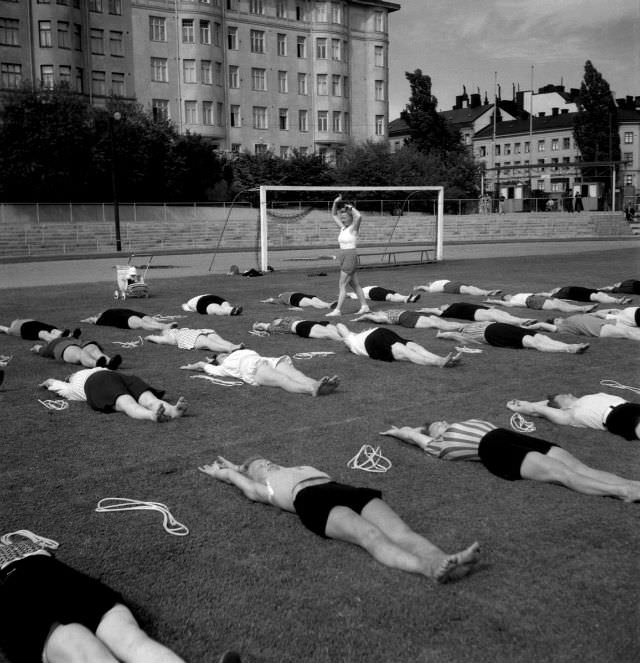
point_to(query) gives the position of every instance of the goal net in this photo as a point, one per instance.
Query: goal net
(399, 224)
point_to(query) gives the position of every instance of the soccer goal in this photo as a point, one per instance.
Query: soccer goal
(399, 224)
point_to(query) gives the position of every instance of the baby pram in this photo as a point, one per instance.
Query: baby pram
(131, 283)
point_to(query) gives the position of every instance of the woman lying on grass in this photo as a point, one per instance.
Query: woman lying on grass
(300, 327)
(454, 288)
(211, 305)
(540, 302)
(125, 318)
(198, 339)
(376, 293)
(386, 345)
(299, 300)
(512, 456)
(578, 293)
(71, 351)
(252, 368)
(477, 313)
(347, 513)
(33, 330)
(107, 391)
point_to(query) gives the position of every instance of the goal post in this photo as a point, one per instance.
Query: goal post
(433, 214)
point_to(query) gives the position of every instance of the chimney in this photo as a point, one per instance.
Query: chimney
(554, 111)
(475, 101)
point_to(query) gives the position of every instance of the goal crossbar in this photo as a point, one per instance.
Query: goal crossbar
(264, 189)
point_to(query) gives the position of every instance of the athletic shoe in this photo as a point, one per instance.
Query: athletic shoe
(114, 362)
(65, 333)
(101, 362)
(413, 298)
(230, 657)
(76, 332)
(236, 310)
(1, 375)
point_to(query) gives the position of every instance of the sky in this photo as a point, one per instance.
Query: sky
(465, 42)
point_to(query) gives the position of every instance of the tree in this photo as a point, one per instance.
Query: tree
(429, 131)
(596, 125)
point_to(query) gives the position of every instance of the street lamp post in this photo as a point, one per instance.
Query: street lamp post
(114, 179)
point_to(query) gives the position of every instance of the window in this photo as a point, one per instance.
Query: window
(284, 152)
(323, 121)
(77, 37)
(628, 137)
(205, 32)
(301, 47)
(232, 39)
(497, 152)
(345, 86)
(220, 107)
(236, 147)
(234, 116)
(10, 75)
(97, 41)
(336, 85)
(207, 112)
(336, 12)
(259, 117)
(117, 84)
(303, 120)
(379, 90)
(256, 7)
(483, 151)
(160, 109)
(379, 125)
(157, 28)
(337, 122)
(283, 119)
(159, 70)
(516, 148)
(95, 5)
(218, 74)
(283, 82)
(540, 162)
(258, 79)
(115, 7)
(557, 187)
(190, 112)
(217, 34)
(627, 157)
(541, 144)
(566, 143)
(555, 144)
(321, 48)
(527, 147)
(257, 41)
(378, 52)
(628, 180)
(188, 31)
(116, 43)
(44, 31)
(260, 148)
(378, 21)
(234, 76)
(336, 49)
(301, 14)
(98, 83)
(281, 8)
(189, 71)
(321, 12)
(79, 80)
(205, 72)
(345, 51)
(282, 44)
(302, 84)
(321, 84)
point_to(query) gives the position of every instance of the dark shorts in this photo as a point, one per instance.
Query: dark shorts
(378, 294)
(502, 335)
(409, 319)
(303, 328)
(348, 260)
(118, 317)
(503, 451)
(636, 315)
(61, 345)
(205, 300)
(575, 293)
(629, 287)
(378, 344)
(536, 301)
(462, 311)
(453, 287)
(103, 388)
(296, 297)
(623, 419)
(29, 330)
(38, 592)
(314, 504)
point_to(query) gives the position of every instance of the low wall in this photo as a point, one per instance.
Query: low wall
(61, 229)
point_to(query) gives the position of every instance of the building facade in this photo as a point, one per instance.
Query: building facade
(255, 75)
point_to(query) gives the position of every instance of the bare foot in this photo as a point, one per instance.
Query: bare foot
(578, 348)
(324, 387)
(334, 379)
(493, 293)
(452, 359)
(363, 310)
(457, 565)
(336, 313)
(181, 406)
(160, 415)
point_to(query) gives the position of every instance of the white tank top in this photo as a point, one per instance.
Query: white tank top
(437, 286)
(520, 299)
(348, 237)
(591, 411)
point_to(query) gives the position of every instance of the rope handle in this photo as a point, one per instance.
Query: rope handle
(130, 344)
(218, 381)
(369, 459)
(54, 405)
(170, 524)
(614, 384)
(520, 424)
(28, 534)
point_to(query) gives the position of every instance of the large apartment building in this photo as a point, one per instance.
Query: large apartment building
(256, 75)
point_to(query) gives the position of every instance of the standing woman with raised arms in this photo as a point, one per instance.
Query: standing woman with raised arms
(348, 219)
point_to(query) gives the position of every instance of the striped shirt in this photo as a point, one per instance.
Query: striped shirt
(460, 441)
(475, 331)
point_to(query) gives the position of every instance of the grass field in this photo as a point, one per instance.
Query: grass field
(560, 577)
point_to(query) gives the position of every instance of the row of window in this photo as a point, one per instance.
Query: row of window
(505, 149)
(114, 6)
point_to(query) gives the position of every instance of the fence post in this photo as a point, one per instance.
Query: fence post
(38, 213)
(70, 212)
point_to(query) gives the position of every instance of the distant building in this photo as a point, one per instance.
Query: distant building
(256, 75)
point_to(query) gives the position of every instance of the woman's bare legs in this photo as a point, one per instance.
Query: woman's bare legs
(357, 288)
(120, 632)
(325, 331)
(290, 379)
(435, 322)
(416, 354)
(74, 643)
(150, 408)
(343, 281)
(477, 292)
(620, 331)
(383, 534)
(314, 302)
(495, 315)
(215, 343)
(545, 344)
(149, 322)
(553, 304)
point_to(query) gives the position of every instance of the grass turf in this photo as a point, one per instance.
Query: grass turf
(559, 580)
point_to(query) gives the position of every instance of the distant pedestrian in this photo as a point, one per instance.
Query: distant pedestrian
(577, 202)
